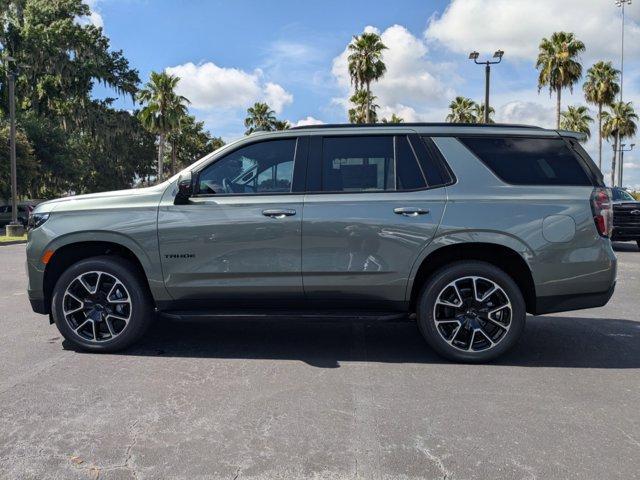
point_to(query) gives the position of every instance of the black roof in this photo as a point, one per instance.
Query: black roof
(418, 124)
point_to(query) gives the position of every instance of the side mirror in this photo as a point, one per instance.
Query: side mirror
(185, 189)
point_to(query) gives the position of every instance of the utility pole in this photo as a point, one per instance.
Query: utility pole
(487, 72)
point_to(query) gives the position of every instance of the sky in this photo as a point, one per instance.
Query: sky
(292, 54)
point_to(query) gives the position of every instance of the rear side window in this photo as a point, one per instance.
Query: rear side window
(369, 163)
(529, 161)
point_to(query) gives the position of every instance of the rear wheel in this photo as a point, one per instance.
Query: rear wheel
(101, 304)
(638, 242)
(471, 312)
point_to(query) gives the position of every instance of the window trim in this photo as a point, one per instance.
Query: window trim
(579, 161)
(300, 149)
(315, 157)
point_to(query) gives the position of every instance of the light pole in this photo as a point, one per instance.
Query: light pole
(14, 228)
(620, 4)
(621, 163)
(487, 63)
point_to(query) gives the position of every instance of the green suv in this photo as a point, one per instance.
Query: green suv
(464, 227)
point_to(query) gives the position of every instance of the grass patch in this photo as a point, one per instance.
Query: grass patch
(5, 239)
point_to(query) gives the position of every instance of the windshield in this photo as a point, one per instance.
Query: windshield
(621, 195)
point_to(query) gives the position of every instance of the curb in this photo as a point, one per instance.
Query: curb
(16, 242)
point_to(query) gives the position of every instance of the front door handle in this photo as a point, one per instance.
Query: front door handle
(279, 212)
(410, 211)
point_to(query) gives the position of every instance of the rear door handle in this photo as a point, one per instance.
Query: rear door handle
(410, 211)
(279, 212)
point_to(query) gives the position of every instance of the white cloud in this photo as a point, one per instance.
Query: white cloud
(209, 86)
(94, 18)
(517, 26)
(411, 79)
(276, 96)
(527, 113)
(308, 121)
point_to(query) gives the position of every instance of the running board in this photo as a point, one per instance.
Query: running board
(329, 316)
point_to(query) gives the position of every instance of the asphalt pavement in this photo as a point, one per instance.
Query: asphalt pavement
(286, 399)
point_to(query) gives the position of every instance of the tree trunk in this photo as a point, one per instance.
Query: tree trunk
(613, 161)
(173, 158)
(600, 136)
(368, 104)
(559, 91)
(160, 157)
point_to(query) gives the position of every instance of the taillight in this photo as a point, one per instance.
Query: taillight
(602, 210)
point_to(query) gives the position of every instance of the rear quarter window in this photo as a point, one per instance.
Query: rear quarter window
(529, 161)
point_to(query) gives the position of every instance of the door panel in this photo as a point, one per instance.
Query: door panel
(225, 248)
(238, 239)
(355, 247)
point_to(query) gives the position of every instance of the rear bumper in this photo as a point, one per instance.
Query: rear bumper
(564, 303)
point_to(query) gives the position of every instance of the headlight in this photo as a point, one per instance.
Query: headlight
(37, 219)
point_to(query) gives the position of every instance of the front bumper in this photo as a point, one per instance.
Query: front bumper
(565, 303)
(38, 305)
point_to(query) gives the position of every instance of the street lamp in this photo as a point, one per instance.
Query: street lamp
(621, 163)
(487, 63)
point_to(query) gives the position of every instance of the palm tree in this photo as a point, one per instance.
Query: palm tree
(364, 110)
(281, 125)
(260, 117)
(617, 125)
(576, 119)
(601, 89)
(163, 110)
(394, 119)
(366, 65)
(462, 111)
(558, 65)
(478, 113)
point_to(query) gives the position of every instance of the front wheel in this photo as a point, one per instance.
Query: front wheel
(101, 304)
(471, 311)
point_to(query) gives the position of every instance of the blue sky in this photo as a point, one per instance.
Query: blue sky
(230, 54)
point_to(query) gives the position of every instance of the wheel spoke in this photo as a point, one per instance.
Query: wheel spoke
(491, 291)
(491, 342)
(473, 337)
(82, 325)
(118, 317)
(95, 336)
(109, 326)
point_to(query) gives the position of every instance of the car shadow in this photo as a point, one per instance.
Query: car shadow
(547, 342)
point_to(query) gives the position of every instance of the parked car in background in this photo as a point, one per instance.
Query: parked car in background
(23, 214)
(626, 217)
(467, 227)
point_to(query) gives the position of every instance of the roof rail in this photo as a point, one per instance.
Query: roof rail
(417, 124)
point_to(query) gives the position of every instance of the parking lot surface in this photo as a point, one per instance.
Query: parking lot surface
(238, 399)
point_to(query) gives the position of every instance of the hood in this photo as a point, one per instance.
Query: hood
(103, 200)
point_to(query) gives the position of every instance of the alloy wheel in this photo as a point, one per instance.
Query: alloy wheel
(472, 314)
(97, 306)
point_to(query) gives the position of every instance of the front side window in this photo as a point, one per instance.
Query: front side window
(369, 163)
(529, 161)
(264, 167)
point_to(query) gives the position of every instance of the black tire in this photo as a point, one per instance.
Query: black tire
(140, 308)
(638, 242)
(437, 284)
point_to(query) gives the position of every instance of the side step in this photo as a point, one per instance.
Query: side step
(327, 316)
